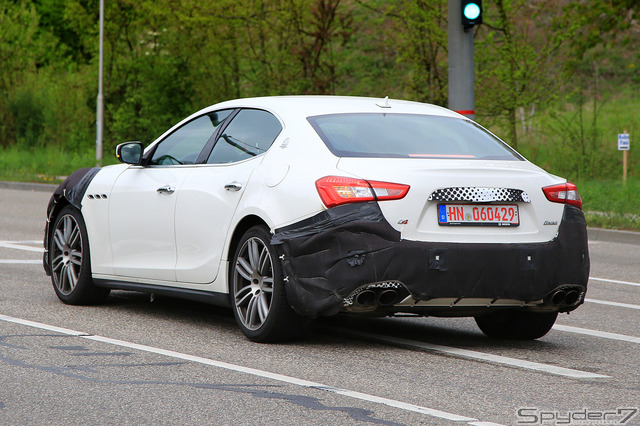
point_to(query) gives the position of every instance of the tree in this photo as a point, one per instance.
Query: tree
(515, 57)
(420, 44)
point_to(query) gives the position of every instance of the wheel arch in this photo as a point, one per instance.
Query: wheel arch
(243, 226)
(54, 210)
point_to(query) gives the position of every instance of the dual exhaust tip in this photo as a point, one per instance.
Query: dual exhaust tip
(566, 297)
(376, 296)
(373, 296)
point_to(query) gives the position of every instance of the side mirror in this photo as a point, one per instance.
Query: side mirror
(129, 153)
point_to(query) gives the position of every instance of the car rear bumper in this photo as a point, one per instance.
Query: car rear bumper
(330, 259)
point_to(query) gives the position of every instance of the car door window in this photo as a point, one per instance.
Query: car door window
(250, 133)
(185, 144)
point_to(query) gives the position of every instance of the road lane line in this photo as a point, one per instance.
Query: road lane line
(42, 326)
(596, 333)
(22, 242)
(253, 371)
(18, 245)
(23, 262)
(467, 353)
(615, 281)
(618, 304)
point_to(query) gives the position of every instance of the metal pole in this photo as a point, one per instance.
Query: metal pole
(624, 161)
(461, 65)
(100, 101)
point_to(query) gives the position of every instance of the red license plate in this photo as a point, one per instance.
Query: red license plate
(478, 214)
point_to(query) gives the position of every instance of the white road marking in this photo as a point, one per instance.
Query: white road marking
(255, 372)
(466, 353)
(596, 333)
(614, 281)
(20, 245)
(618, 304)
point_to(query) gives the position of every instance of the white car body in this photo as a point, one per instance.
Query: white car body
(172, 226)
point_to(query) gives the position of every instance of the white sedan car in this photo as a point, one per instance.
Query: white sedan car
(295, 207)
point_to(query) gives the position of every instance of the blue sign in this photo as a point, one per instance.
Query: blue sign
(624, 143)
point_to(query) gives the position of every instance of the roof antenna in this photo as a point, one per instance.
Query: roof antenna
(385, 103)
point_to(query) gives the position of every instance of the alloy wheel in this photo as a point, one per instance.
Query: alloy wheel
(66, 255)
(253, 283)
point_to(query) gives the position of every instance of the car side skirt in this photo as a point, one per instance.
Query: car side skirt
(204, 296)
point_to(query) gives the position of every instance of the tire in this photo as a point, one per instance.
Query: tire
(516, 325)
(70, 260)
(257, 291)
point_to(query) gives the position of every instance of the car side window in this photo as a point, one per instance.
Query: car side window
(185, 144)
(250, 133)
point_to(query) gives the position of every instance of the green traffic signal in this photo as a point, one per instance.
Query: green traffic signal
(471, 13)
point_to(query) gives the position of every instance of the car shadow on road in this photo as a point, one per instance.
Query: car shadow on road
(456, 332)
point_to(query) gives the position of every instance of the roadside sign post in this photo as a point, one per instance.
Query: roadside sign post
(624, 144)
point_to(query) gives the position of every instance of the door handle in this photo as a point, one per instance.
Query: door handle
(167, 189)
(233, 186)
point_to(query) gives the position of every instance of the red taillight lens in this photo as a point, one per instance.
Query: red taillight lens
(565, 193)
(336, 190)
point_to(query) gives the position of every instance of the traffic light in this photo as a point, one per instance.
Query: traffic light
(471, 13)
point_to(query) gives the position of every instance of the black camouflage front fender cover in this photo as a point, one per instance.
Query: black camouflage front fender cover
(328, 256)
(71, 191)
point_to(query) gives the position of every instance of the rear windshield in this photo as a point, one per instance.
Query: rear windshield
(409, 136)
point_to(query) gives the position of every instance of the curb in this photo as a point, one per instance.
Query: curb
(595, 234)
(614, 236)
(26, 186)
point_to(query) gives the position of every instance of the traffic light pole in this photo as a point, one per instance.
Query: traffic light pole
(100, 99)
(461, 65)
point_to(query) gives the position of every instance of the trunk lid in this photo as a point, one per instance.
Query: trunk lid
(465, 182)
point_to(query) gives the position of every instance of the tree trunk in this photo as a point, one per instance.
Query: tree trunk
(513, 130)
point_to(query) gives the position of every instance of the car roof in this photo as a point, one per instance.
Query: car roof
(311, 105)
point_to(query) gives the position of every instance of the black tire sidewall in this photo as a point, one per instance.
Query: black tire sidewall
(516, 325)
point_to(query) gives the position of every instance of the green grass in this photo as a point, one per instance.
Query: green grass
(570, 142)
(43, 165)
(611, 204)
(607, 203)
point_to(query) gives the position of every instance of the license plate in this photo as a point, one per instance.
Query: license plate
(478, 215)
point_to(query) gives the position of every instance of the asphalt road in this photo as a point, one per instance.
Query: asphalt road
(173, 362)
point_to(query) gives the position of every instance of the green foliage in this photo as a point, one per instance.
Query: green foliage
(514, 60)
(611, 204)
(26, 108)
(548, 72)
(50, 164)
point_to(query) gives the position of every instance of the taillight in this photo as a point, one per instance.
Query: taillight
(336, 190)
(565, 193)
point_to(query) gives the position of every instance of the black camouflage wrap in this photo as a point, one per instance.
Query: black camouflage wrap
(71, 191)
(326, 257)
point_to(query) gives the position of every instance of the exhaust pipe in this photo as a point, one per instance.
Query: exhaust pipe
(559, 297)
(565, 297)
(379, 296)
(365, 298)
(572, 297)
(388, 297)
